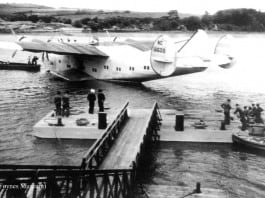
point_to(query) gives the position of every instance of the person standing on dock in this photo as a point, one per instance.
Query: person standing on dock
(101, 99)
(34, 60)
(66, 104)
(242, 117)
(29, 60)
(91, 97)
(58, 103)
(258, 118)
(254, 110)
(246, 113)
(227, 107)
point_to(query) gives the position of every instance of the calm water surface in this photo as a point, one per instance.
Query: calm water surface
(26, 97)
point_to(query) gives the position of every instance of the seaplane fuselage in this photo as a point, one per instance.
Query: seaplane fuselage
(127, 60)
(124, 63)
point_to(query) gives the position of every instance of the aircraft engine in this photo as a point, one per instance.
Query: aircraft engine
(163, 56)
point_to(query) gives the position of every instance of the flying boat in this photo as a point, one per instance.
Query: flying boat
(129, 60)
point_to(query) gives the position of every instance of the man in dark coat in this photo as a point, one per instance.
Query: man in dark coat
(242, 117)
(254, 110)
(34, 60)
(258, 118)
(91, 97)
(227, 107)
(66, 104)
(101, 99)
(58, 103)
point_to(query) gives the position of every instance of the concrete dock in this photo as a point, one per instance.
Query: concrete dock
(211, 133)
(46, 127)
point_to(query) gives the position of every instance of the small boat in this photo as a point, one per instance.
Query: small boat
(19, 66)
(245, 139)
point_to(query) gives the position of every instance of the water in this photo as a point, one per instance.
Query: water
(26, 97)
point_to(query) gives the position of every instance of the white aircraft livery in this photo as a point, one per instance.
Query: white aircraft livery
(128, 60)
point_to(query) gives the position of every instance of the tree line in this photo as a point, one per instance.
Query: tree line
(229, 20)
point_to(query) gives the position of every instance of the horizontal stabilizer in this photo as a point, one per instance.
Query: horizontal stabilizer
(162, 60)
(72, 75)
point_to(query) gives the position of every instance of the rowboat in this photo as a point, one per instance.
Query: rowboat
(246, 139)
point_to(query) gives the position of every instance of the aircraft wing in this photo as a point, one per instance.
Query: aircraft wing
(140, 45)
(61, 48)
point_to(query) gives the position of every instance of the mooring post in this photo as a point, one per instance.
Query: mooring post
(198, 188)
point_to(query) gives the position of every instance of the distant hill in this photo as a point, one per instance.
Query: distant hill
(105, 14)
(20, 5)
(13, 8)
(75, 13)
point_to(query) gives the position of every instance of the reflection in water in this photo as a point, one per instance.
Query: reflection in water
(26, 97)
(214, 166)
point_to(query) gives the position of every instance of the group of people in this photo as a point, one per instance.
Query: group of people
(33, 61)
(62, 104)
(253, 113)
(91, 97)
(247, 115)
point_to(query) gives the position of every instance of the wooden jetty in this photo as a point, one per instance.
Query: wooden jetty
(110, 167)
(19, 66)
(125, 150)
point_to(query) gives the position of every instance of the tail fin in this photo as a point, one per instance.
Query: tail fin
(163, 54)
(223, 50)
(197, 44)
(223, 45)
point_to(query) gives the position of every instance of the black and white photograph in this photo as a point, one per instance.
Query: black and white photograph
(132, 99)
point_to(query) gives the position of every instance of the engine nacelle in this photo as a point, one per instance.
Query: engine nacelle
(163, 56)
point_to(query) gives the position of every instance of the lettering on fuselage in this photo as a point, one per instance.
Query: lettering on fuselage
(160, 50)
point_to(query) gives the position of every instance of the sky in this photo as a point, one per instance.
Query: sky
(183, 6)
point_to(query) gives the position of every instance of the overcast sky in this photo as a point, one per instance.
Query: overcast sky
(183, 6)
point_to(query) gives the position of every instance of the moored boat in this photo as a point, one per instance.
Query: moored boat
(252, 141)
(19, 66)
